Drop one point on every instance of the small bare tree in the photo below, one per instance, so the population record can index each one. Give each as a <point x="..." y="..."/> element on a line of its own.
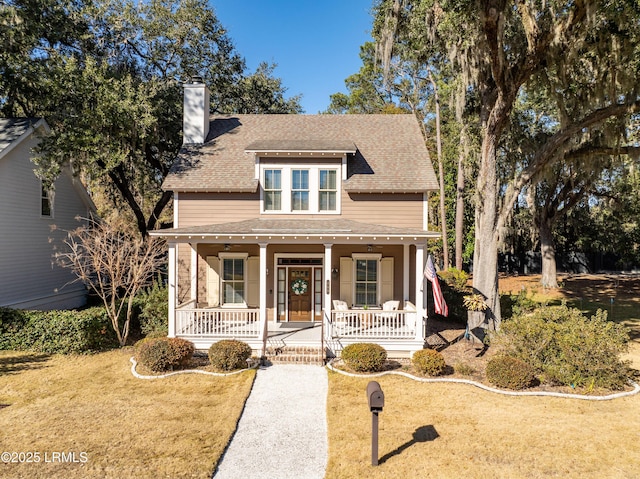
<point x="115" y="262"/>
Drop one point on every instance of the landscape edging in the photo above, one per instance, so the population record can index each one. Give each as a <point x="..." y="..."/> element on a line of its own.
<point x="636" y="387"/>
<point x="134" y="363"/>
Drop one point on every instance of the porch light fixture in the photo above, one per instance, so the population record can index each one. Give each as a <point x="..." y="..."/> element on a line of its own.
<point x="369" y="248"/>
<point x="334" y="272"/>
<point x="227" y="247"/>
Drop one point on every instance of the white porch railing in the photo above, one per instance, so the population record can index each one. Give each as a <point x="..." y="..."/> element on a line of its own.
<point x="372" y="325"/>
<point x="218" y="323"/>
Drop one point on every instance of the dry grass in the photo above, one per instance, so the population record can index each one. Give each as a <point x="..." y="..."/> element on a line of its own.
<point x="174" y="427"/>
<point x="448" y="430"/>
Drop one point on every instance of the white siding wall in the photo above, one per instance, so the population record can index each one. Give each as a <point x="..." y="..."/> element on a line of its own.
<point x="28" y="277"/>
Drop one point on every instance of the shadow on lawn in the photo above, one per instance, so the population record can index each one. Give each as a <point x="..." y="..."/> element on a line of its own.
<point x="422" y="434"/>
<point x="15" y="364"/>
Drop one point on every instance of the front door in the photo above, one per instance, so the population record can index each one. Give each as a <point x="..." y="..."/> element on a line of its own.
<point x="300" y="294"/>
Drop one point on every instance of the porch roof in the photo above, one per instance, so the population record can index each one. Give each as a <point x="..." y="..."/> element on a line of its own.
<point x="275" y="230"/>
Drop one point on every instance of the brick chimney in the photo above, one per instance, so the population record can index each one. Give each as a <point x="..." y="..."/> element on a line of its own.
<point x="195" y="121"/>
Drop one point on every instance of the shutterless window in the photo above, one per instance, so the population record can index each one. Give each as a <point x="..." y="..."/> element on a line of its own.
<point x="299" y="190"/>
<point x="327" y="190"/>
<point x="46" y="207"/>
<point x="272" y="190"/>
<point x="233" y="281"/>
<point x="366" y="282"/>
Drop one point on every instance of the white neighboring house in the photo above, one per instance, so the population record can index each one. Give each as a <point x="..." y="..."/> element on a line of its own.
<point x="33" y="221"/>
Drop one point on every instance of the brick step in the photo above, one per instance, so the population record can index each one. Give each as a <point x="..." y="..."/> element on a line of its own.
<point x="295" y="354"/>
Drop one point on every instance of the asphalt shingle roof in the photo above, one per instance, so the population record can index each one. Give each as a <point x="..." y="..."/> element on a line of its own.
<point x="13" y="128"/>
<point x="391" y="155"/>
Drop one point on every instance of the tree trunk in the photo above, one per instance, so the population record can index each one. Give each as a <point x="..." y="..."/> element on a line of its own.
<point x="485" y="254"/>
<point x="549" y="274"/>
<point x="460" y="203"/>
<point x="443" y="214"/>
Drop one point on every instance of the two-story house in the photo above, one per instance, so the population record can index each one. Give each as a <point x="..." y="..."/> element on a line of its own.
<point x="34" y="219"/>
<point x="285" y="223"/>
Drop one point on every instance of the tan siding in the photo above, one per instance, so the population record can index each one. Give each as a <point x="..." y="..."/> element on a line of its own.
<point x="28" y="273"/>
<point x="195" y="209"/>
<point x="397" y="210"/>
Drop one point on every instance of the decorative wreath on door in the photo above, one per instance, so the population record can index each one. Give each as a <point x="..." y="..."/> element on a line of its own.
<point x="299" y="286"/>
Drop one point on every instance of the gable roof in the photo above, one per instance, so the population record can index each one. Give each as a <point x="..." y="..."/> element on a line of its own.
<point x="386" y="153"/>
<point x="14" y="130"/>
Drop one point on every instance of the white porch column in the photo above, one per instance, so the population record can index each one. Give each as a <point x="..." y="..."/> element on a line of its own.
<point x="194" y="274"/>
<point x="263" y="287"/>
<point x="173" y="266"/>
<point x="406" y="274"/>
<point x="327" y="280"/>
<point x="420" y="305"/>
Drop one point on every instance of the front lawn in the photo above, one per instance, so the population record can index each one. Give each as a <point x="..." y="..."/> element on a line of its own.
<point x="116" y="425"/>
<point x="451" y="430"/>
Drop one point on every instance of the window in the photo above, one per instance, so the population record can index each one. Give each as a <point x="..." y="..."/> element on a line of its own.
<point x="290" y="188"/>
<point x="272" y="190"/>
<point x="46" y="201"/>
<point x="366" y="281"/>
<point x="233" y="291"/>
<point x="327" y="190"/>
<point x="300" y="190"/>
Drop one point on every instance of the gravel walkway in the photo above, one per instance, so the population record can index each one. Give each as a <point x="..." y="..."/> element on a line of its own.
<point x="282" y="432"/>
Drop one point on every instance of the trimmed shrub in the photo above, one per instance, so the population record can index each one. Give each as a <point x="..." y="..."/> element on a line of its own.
<point x="364" y="357"/>
<point x="567" y="348"/>
<point x="229" y="354"/>
<point x="174" y="353"/>
<point x="511" y="373"/>
<point x="156" y="355"/>
<point x="154" y="310"/>
<point x="428" y="361"/>
<point x="58" y="332"/>
<point x="181" y="351"/>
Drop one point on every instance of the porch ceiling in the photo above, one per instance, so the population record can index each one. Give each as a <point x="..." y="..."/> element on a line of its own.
<point x="300" y="229"/>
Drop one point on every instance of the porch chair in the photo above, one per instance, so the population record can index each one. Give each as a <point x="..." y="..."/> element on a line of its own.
<point x="410" y="315"/>
<point x="343" y="320"/>
<point x="389" y="313"/>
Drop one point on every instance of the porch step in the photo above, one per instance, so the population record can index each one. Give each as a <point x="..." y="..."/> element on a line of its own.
<point x="295" y="354"/>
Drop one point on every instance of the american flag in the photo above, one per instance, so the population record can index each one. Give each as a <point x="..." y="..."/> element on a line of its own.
<point x="439" y="303"/>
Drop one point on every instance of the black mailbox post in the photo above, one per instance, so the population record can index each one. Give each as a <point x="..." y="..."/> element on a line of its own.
<point x="375" y="398"/>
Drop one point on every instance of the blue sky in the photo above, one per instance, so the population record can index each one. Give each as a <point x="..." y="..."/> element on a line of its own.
<point x="316" y="43"/>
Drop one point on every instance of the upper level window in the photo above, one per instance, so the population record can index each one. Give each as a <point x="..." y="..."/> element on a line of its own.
<point x="300" y="190"/>
<point x="272" y="190"/>
<point x="46" y="201"/>
<point x="327" y="190"/>
<point x="291" y="189"/>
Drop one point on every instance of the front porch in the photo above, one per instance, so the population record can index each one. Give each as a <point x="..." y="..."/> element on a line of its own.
<point x="276" y="282"/>
<point x="398" y="332"/>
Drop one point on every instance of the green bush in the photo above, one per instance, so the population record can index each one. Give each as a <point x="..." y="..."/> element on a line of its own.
<point x="154" y="310"/>
<point x="164" y="354"/>
<point x="61" y="332"/>
<point x="455" y="278"/>
<point x="509" y="372"/>
<point x="11" y="322"/>
<point x="567" y="348"/>
<point x="364" y="357"/>
<point x="229" y="354"/>
<point x="517" y="304"/>
<point x="428" y="361"/>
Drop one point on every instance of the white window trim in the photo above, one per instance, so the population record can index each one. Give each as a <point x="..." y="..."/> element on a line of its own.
<point x="50" y="197"/>
<point x="367" y="256"/>
<point x="222" y="257"/>
<point x="314" y="188"/>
